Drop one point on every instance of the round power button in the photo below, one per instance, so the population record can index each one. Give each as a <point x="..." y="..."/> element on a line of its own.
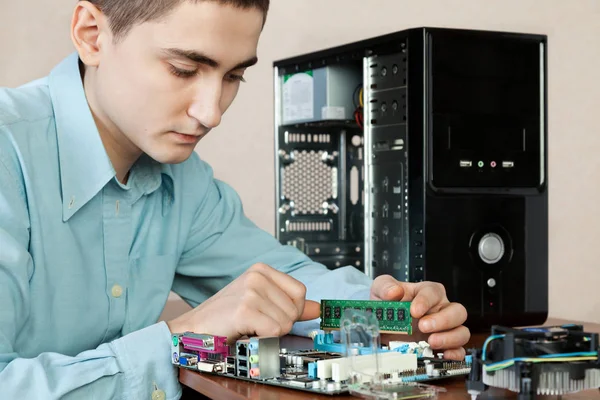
<point x="491" y="248"/>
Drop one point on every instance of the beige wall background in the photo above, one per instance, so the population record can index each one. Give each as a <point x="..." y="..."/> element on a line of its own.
<point x="35" y="36"/>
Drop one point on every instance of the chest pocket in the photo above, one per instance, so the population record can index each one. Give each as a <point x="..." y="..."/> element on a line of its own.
<point x="150" y="281"/>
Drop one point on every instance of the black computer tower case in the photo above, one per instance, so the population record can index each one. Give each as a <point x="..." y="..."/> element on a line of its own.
<point x="438" y="172"/>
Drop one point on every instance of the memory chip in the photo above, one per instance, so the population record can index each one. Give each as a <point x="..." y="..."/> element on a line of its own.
<point x="390" y="314"/>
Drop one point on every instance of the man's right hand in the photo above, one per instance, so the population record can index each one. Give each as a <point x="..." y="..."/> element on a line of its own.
<point x="261" y="302"/>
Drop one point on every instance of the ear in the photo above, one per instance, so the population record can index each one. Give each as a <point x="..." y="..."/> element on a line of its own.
<point x="89" y="29"/>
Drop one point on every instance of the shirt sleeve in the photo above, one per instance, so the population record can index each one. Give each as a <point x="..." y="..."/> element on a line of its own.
<point x="126" y="368"/>
<point x="223" y="243"/>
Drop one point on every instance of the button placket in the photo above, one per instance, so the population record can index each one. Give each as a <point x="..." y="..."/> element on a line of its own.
<point x="117" y="242"/>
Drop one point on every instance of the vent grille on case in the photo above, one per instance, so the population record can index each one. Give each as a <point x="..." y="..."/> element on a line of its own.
<point x="307" y="137"/>
<point x="308" y="182"/>
<point x="309" y="226"/>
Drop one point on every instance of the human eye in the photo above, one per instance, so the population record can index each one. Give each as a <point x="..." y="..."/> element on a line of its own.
<point x="181" y="72"/>
<point x="235" y="78"/>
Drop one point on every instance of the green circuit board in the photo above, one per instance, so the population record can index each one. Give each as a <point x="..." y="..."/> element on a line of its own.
<point x="393" y="316"/>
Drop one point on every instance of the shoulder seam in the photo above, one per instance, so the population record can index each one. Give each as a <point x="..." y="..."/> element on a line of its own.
<point x="15" y="182"/>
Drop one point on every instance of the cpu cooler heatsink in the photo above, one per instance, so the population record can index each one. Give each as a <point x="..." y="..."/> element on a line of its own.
<point x="553" y="360"/>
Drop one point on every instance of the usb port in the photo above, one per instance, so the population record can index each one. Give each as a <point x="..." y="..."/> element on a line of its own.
<point x="508" y="164"/>
<point x="465" y="163"/>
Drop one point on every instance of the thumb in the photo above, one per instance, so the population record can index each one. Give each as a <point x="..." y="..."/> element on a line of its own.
<point x="312" y="310"/>
<point x="385" y="287"/>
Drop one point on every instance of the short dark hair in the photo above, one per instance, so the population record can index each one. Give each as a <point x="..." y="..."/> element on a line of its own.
<point x="124" y="14"/>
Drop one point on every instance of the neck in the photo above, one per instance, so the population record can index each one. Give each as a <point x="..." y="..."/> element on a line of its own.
<point x="120" y="150"/>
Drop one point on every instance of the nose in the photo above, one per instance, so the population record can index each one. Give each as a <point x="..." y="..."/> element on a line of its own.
<point x="206" y="104"/>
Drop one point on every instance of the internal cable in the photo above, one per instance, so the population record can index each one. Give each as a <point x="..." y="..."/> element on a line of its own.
<point x="360" y="98"/>
<point x="509" y="363"/>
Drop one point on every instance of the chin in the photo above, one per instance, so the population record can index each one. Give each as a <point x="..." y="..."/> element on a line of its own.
<point x="175" y="156"/>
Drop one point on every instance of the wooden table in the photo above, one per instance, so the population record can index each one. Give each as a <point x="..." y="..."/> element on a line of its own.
<point x="216" y="387"/>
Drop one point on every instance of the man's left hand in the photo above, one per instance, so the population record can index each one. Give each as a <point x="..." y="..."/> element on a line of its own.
<point x="436" y="314"/>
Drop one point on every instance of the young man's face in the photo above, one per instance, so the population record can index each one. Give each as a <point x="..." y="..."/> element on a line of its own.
<point x="168" y="82"/>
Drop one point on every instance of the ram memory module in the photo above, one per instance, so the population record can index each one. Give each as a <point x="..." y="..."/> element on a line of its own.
<point x="393" y="316"/>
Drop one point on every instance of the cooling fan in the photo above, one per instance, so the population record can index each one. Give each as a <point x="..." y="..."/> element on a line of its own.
<point x="552" y="360"/>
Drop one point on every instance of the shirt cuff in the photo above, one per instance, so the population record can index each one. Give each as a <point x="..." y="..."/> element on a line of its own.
<point x="145" y="357"/>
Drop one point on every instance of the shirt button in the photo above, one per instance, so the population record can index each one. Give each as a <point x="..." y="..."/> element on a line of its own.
<point x="159" y="395"/>
<point x="117" y="291"/>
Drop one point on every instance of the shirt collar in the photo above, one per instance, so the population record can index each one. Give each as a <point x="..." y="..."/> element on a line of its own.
<point x="84" y="165"/>
<point x="147" y="175"/>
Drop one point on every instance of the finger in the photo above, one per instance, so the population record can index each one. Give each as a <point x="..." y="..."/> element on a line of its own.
<point x="256" y="300"/>
<point x="292" y="287"/>
<point x="261" y="324"/>
<point x="283" y="319"/>
<point x="385" y="287"/>
<point x="455" y="354"/>
<point x="451" y="339"/>
<point x="280" y="298"/>
<point x="448" y="317"/>
<point x="428" y="296"/>
<point x="312" y="310"/>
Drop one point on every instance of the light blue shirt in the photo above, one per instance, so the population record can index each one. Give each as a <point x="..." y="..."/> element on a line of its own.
<point x="87" y="263"/>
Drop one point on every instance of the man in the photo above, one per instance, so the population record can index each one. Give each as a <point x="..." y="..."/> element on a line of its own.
<point x="105" y="207"/>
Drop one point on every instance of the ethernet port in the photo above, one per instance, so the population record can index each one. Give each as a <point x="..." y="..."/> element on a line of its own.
<point x="242" y="349"/>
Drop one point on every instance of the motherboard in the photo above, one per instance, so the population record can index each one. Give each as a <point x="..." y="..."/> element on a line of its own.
<point x="262" y="360"/>
<point x="330" y="366"/>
